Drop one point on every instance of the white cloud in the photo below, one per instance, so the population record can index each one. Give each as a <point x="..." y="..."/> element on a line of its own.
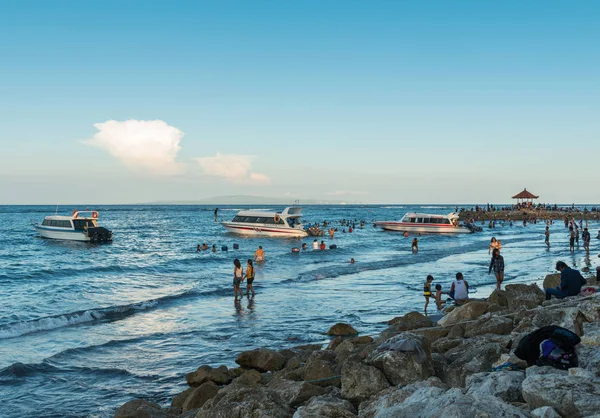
<point x="233" y="168"/>
<point x="149" y="145"/>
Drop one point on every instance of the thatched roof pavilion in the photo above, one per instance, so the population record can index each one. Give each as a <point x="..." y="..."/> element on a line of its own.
<point x="525" y="196"/>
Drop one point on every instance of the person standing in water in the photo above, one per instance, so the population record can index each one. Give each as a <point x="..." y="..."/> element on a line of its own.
<point x="315" y="245"/>
<point x="259" y="255"/>
<point x="415" y="245"/>
<point x="586" y="240"/>
<point x="216" y="214"/>
<point x="238" y="277"/>
<point x="438" y="297"/>
<point x="427" y="291"/>
<point x="497" y="264"/>
<point x="571" y="239"/>
<point x="249" y="278"/>
<point x="547" y="235"/>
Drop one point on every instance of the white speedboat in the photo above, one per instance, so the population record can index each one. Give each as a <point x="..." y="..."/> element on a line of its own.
<point x="271" y="224"/>
<point x="80" y="226"/>
<point x="423" y="223"/>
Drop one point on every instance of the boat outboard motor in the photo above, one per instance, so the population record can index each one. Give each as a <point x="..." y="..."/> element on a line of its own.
<point x="99" y="234"/>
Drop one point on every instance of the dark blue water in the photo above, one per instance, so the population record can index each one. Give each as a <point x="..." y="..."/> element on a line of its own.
<point x="85" y="328"/>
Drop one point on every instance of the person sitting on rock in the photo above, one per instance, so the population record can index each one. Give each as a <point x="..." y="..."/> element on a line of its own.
<point x="459" y="291"/>
<point x="571" y="282"/>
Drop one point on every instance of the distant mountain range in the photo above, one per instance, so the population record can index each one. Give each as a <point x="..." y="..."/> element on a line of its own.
<point x="249" y="200"/>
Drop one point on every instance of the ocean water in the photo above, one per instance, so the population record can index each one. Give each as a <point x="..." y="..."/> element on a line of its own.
<point x="85" y="328"/>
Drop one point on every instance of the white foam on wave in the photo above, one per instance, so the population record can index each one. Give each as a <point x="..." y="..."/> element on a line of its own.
<point x="54" y="322"/>
<point x="239" y="209"/>
<point x="433" y="207"/>
<point x="392" y="207"/>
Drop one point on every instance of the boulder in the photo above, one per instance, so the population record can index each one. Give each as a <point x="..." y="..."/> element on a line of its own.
<point x="249" y="378"/>
<point x="326" y="406"/>
<point x="342" y="329"/>
<point x="245" y="402"/>
<point x="261" y="359"/>
<point x="363" y="339"/>
<point x="457" y="331"/>
<point x="139" y="408"/>
<point x="320" y="369"/>
<point x="523" y="296"/>
<point x="395" y="396"/>
<point x="505" y="385"/>
<point x="444" y="344"/>
<point x="220" y="376"/>
<point x="571" y="396"/>
<point x="498" y="298"/>
<point x="410" y="321"/>
<point x="343" y="351"/>
<point x="473" y="356"/>
<point x="359" y="381"/>
<point x="295" y="393"/>
<point x="180" y="398"/>
<point x="467" y="312"/>
<point x="494" y="325"/>
<point x="551" y="281"/>
<point x="200" y="395"/>
<point x="434" y="402"/>
<point x="402" y="368"/>
<point x="293" y="363"/>
<point x="545" y="412"/>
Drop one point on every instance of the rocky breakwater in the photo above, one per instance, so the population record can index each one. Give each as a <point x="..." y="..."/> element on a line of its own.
<point x="414" y="368"/>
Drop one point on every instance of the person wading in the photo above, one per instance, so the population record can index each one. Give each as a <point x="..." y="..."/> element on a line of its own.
<point x="497" y="264"/>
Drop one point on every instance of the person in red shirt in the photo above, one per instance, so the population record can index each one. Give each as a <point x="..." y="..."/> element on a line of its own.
<point x="323" y="246"/>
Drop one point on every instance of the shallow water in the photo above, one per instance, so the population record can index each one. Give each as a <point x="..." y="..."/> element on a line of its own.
<point x="85" y="328"/>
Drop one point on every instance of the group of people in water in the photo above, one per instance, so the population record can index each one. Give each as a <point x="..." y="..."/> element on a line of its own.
<point x="239" y="276"/>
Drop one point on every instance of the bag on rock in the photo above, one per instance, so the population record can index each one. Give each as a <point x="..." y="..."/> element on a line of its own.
<point x="529" y="346"/>
<point x="554" y="355"/>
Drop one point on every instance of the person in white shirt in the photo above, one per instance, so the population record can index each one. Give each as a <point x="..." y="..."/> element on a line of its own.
<point x="459" y="291"/>
<point x="315" y="245"/>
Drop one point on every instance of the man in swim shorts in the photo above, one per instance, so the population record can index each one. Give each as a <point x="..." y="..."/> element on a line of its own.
<point x="259" y="255"/>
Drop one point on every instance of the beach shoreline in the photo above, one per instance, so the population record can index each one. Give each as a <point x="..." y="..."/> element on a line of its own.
<point x="357" y="375"/>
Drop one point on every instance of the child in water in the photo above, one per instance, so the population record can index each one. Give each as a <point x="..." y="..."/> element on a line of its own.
<point x="427" y="291"/>
<point x="415" y="245"/>
<point x="438" y="296"/>
<point x="249" y="278"/>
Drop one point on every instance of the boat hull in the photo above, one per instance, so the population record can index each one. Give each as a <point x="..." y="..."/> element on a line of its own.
<point x="423" y="228"/>
<point x="65" y="235"/>
<point x="263" y="231"/>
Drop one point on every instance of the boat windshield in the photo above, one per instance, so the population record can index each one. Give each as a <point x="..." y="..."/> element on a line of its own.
<point x="82" y="224"/>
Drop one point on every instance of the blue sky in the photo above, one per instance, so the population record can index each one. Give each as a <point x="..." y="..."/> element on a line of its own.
<point x="384" y="101"/>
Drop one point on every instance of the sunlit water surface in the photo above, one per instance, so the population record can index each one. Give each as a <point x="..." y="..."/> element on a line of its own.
<point x="85" y="328"/>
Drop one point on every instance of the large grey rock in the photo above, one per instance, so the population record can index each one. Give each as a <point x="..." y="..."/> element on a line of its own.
<point x="444" y="344"/>
<point x="410" y="321"/>
<point x="246" y="402"/>
<point x="261" y="359"/>
<point x="505" y="385"/>
<point x="139" y="408"/>
<point x="473" y="356"/>
<point x="295" y="393"/>
<point x="467" y="312"/>
<point x="320" y="369"/>
<point x="395" y="396"/>
<point x="200" y="395"/>
<point x="571" y="396"/>
<point x="494" y="325"/>
<point x="551" y="281"/>
<point x="359" y="381"/>
<point x="498" y="298"/>
<point x="545" y="412"/>
<point x="433" y="402"/>
<point x="342" y="329"/>
<point x="180" y="398"/>
<point x="402" y="368"/>
<point x="326" y="406"/>
<point x="219" y="375"/>
<point x="523" y="296"/>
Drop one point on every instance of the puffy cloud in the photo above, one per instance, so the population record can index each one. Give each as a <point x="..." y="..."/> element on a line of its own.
<point x="233" y="168"/>
<point x="149" y="145"/>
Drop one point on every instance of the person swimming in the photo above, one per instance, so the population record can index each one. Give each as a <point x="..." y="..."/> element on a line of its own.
<point x="259" y="255"/>
<point x="352" y="261"/>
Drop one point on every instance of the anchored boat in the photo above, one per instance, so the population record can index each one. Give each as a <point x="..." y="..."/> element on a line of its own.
<point x="424" y="223"/>
<point x="80" y="226"/>
<point x="271" y="224"/>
